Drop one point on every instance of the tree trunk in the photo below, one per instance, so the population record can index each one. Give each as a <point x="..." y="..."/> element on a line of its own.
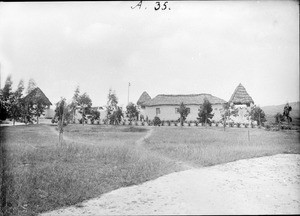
<point x="83" y="117"/>
<point x="14" y="121"/>
<point x="61" y="130"/>
<point x="181" y="121"/>
<point x="37" y="120"/>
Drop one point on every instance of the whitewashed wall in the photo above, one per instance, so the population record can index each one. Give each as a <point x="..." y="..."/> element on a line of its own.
<point x="168" y="112"/>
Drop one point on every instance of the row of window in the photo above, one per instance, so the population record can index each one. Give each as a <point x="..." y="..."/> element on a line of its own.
<point x="176" y="110"/>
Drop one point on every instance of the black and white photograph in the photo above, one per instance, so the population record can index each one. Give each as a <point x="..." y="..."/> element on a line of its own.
<point x="149" y="108"/>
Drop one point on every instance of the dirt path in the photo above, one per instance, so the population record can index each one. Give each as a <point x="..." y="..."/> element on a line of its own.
<point x="266" y="185"/>
<point x="141" y="142"/>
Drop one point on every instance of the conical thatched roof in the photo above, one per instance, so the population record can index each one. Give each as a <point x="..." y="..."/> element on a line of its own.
<point x="143" y="98"/>
<point x="37" y="94"/>
<point x="240" y="96"/>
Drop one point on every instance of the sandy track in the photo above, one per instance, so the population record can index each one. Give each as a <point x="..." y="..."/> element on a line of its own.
<point x="266" y="185"/>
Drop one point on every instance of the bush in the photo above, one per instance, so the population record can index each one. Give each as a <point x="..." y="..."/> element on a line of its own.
<point x="217" y="124"/>
<point x="189" y="123"/>
<point x="169" y="123"/>
<point x="143" y="123"/>
<point x="238" y="125"/>
<point x="162" y="123"/>
<point x="196" y="123"/>
<point x="156" y="121"/>
<point x="231" y="124"/>
<point x="175" y="123"/>
<point x="136" y="123"/>
<point x="246" y="125"/>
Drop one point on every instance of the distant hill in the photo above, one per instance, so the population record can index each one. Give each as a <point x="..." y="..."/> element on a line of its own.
<point x="271" y="111"/>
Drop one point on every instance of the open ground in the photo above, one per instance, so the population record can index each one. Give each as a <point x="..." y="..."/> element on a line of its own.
<point x="41" y="176"/>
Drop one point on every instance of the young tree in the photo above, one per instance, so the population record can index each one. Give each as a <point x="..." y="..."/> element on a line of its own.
<point x="116" y="116"/>
<point x="205" y="113"/>
<point x="62" y="112"/>
<point x="112" y="108"/>
<point x="257" y="114"/>
<point x="74" y="103"/>
<point x="228" y="111"/>
<point x="183" y="111"/>
<point x="132" y="111"/>
<point x="85" y="104"/>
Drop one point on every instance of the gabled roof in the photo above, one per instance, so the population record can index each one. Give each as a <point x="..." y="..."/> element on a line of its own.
<point x="37" y="93"/>
<point x="190" y="99"/>
<point x="143" y="98"/>
<point x="240" y="96"/>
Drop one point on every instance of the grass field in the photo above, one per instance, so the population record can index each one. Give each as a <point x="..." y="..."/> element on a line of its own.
<point x="210" y="146"/>
<point x="42" y="176"/>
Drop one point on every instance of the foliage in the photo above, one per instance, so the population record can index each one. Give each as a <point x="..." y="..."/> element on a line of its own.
<point x="183" y="111"/>
<point x="63" y="112"/>
<point x="257" y="114"/>
<point x="279" y="118"/>
<point x="74" y="103"/>
<point x="205" y="113"/>
<point x="114" y="113"/>
<point x="156" y="121"/>
<point x="31" y="85"/>
<point x="95" y="116"/>
<point x="116" y="117"/>
<point x="16" y="109"/>
<point x="132" y="111"/>
<point x="286" y="112"/>
<point x="228" y="111"/>
<point x="85" y="104"/>
<point x="5" y="96"/>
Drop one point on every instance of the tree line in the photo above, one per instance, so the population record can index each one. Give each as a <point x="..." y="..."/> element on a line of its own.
<point x="13" y="105"/>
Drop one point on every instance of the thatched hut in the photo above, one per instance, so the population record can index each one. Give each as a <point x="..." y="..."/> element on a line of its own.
<point x="36" y="98"/>
<point x="143" y="98"/>
<point x="241" y="97"/>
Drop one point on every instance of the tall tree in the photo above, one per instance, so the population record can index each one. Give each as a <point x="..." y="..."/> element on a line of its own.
<point x="112" y="105"/>
<point x="31" y="85"/>
<point x="183" y="111"/>
<point x="74" y="103"/>
<point x="5" y="96"/>
<point x="16" y="109"/>
<point x="85" y="104"/>
<point x="132" y="111"/>
<point x="205" y="113"/>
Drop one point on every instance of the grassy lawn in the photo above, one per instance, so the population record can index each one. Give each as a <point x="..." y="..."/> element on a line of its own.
<point x="210" y="146"/>
<point x="42" y="176"/>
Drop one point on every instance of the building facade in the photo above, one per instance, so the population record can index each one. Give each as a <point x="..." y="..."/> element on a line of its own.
<point x="166" y="106"/>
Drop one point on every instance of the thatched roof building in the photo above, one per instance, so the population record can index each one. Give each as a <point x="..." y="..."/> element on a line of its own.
<point x="37" y="94"/>
<point x="240" y="96"/>
<point x="190" y="99"/>
<point x="143" y="98"/>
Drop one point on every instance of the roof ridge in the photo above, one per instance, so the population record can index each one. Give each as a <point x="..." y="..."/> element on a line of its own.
<point x="176" y="95"/>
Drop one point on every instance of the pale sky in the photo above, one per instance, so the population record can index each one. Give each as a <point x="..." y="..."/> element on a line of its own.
<point x="193" y="47"/>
